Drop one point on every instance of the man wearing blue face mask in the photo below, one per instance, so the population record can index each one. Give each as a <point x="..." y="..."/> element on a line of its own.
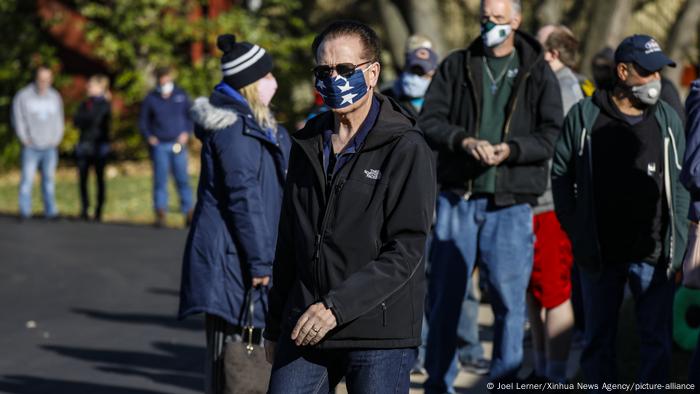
<point x="493" y="112"/>
<point x="165" y="123"/>
<point x="616" y="193"/>
<point x="409" y="89"/>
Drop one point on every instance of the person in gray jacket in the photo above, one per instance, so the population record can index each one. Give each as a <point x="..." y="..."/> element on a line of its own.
<point x="37" y="117"/>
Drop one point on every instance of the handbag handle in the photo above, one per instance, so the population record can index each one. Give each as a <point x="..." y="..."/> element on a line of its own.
<point x="249" y="327"/>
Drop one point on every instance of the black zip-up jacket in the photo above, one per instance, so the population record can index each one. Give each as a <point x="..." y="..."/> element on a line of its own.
<point x="359" y="250"/>
<point x="452" y="110"/>
<point x="93" y="118"/>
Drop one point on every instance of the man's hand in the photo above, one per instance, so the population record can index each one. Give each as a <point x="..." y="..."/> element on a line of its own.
<point x="261" y="280"/>
<point x="183" y="138"/>
<point x="480" y="150"/>
<point x="500" y="153"/>
<point x="270" y="348"/>
<point x="153" y="141"/>
<point x="313" y="325"/>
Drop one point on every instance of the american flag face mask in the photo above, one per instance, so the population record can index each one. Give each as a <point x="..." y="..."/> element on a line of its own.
<point x="339" y="91"/>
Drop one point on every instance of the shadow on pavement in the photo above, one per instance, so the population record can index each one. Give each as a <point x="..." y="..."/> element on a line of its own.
<point x="194" y="382"/>
<point x="173" y="364"/>
<point x="168" y="321"/>
<point x="177" y="358"/>
<point x="21" y="384"/>
<point x="164" y="291"/>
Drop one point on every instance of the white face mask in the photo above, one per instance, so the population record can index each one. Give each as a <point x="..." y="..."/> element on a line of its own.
<point x="494" y="34"/>
<point x="167" y="88"/>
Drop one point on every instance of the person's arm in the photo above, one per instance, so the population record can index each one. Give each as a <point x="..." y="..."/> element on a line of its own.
<point x="690" y="175"/>
<point x="538" y="146"/>
<point x="410" y="203"/>
<point x="81" y="118"/>
<point x="684" y="211"/>
<point x="239" y="160"/>
<point x="145" y="118"/>
<point x="189" y="124"/>
<point x="564" y="173"/>
<point x="19" y="121"/>
<point x="60" y="121"/>
<point x="284" y="267"/>
<point x="106" y="121"/>
<point x="434" y="117"/>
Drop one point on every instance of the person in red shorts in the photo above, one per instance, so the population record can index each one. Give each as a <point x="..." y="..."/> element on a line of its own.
<point x="549" y="293"/>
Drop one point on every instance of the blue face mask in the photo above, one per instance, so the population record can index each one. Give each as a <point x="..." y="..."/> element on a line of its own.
<point x="340" y="92"/>
<point x="414" y="86"/>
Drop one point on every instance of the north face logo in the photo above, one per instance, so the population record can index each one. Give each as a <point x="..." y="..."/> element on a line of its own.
<point x="373" y="174"/>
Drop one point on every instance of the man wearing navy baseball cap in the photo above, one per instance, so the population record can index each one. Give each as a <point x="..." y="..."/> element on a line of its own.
<point x="617" y="195"/>
<point x="409" y="89"/>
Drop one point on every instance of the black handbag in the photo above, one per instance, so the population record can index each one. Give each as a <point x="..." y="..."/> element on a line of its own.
<point x="245" y="366"/>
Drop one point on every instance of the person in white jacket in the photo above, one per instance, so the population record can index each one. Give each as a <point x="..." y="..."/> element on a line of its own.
<point x="37" y="117"/>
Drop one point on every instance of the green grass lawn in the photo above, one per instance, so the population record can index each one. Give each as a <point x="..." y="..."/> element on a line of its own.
<point x="129" y="195"/>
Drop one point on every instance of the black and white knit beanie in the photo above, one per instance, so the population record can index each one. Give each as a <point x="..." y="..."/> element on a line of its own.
<point x="242" y="63"/>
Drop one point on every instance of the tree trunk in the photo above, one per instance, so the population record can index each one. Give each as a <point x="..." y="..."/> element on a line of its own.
<point x="680" y="38"/>
<point x="607" y="27"/>
<point x="395" y="29"/>
<point x="425" y="19"/>
<point x="548" y="12"/>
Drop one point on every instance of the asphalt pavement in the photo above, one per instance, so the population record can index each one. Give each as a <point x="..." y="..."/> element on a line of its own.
<point x="91" y="308"/>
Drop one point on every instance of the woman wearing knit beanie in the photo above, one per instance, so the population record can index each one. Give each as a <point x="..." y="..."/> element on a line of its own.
<point x="227" y="265"/>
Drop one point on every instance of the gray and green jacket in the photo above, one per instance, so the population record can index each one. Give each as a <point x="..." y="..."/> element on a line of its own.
<point x="572" y="184"/>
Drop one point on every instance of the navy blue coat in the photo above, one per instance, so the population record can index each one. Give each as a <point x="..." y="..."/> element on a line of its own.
<point x="165" y="118"/>
<point x="690" y="176"/>
<point x="239" y="197"/>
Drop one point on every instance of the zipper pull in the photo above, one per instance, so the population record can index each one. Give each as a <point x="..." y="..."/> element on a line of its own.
<point x="339" y="186"/>
<point x="383" y="314"/>
<point x="317" y="247"/>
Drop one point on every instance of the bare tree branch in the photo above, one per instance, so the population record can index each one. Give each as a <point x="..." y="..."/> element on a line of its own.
<point x="606" y="28"/>
<point x="548" y="12"/>
<point x="395" y="29"/>
<point x="425" y="18"/>
<point x="680" y="38"/>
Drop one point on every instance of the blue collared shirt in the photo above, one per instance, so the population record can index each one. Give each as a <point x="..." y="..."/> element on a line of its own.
<point x="352" y="147"/>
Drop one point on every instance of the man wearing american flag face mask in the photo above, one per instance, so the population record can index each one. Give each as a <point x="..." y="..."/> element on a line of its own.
<point x="347" y="298"/>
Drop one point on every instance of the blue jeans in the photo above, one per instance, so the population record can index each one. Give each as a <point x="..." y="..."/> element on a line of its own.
<point x="45" y="160"/>
<point x="310" y="371"/>
<point x="500" y="240"/>
<point x="602" y="296"/>
<point x="469" y="348"/>
<point x="164" y="159"/>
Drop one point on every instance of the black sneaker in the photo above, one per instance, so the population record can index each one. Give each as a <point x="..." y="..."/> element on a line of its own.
<point x="480" y="366"/>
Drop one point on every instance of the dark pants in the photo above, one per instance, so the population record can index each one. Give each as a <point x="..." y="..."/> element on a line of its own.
<point x="312" y="371"/>
<point x="98" y="162"/>
<point x="694" y="374"/>
<point x="603" y="295"/>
